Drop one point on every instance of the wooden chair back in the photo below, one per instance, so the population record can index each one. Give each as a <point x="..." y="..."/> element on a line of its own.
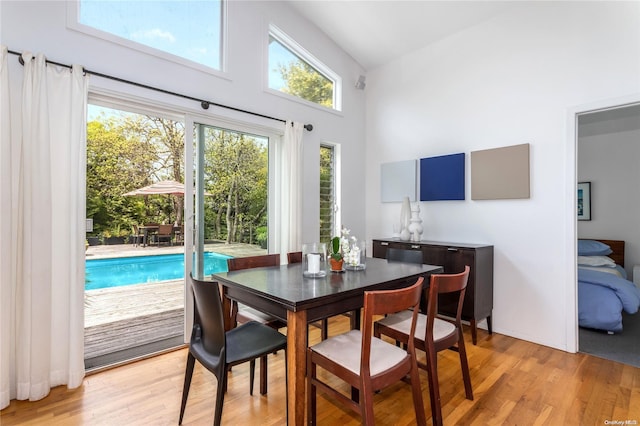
<point x="443" y="284"/>
<point x="165" y="229"/>
<point x="243" y="314"/>
<point x="238" y="263"/>
<point x="294" y="257"/>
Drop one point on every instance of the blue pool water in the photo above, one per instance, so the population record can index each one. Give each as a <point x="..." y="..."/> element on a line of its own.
<point x="102" y="273"/>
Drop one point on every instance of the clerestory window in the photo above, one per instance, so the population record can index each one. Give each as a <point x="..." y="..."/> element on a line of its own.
<point x="294" y="71"/>
<point x="176" y="30"/>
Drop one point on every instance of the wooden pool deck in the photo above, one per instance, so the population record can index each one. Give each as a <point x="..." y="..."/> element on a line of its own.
<point x="120" y="318"/>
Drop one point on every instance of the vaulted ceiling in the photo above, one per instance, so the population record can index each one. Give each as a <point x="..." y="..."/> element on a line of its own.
<point x="375" y="32"/>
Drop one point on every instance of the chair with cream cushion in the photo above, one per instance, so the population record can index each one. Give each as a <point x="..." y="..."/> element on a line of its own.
<point x="432" y="334"/>
<point x="365" y="362"/>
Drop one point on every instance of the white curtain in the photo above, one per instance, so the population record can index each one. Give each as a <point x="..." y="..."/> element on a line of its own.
<point x="42" y="345"/>
<point x="8" y="241"/>
<point x="291" y="189"/>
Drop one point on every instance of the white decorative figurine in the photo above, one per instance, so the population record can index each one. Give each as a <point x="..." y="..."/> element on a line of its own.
<point x="415" y="227"/>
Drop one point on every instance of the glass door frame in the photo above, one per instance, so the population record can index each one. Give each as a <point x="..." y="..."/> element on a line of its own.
<point x="194" y="190"/>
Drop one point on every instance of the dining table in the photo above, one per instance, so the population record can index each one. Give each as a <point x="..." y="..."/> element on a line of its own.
<point x="147" y="230"/>
<point x="283" y="292"/>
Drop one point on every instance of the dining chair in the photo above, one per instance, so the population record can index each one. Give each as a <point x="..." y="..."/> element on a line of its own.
<point x="240" y="313"/>
<point x="136" y="235"/>
<point x="366" y="362"/>
<point x="218" y="350"/>
<point x="433" y="334"/>
<point x="165" y="232"/>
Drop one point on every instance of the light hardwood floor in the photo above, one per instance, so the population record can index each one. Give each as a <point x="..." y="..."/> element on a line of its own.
<point x="514" y="383"/>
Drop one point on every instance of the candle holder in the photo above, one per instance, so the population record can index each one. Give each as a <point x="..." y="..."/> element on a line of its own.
<point x="314" y="260"/>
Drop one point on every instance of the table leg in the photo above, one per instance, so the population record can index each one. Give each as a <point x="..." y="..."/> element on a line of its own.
<point x="297" y="335"/>
<point x="226" y="308"/>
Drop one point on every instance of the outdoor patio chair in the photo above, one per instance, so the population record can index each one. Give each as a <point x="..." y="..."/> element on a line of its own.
<point x="137" y="236"/>
<point x="165" y="232"/>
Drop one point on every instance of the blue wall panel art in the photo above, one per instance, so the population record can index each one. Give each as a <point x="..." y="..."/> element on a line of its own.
<point x="442" y="178"/>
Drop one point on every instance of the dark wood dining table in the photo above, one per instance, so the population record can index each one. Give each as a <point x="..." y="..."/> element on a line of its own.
<point x="283" y="292"/>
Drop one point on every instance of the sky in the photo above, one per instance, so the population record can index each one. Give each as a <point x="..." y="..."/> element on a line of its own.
<point x="185" y="28"/>
<point x="190" y="29"/>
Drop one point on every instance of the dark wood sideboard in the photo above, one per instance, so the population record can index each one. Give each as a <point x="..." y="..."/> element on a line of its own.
<point x="478" y="300"/>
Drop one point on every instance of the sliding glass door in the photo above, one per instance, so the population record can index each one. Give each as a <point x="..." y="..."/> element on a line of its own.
<point x="134" y="292"/>
<point x="232" y="194"/>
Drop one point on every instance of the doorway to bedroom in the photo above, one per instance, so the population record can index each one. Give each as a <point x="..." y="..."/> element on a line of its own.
<point x="608" y="151"/>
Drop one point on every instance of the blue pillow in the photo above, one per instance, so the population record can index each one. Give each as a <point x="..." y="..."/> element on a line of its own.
<point x="593" y="248"/>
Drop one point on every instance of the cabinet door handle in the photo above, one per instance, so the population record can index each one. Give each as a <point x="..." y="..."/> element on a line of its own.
<point x="383" y="243"/>
<point x="415" y="247"/>
<point x="452" y="249"/>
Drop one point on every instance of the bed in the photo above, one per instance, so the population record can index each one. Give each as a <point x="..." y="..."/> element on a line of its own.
<point x="604" y="291"/>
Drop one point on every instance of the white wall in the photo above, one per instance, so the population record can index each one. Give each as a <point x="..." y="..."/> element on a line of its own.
<point x="511" y="80"/>
<point x="608" y="157"/>
<point x="40" y="27"/>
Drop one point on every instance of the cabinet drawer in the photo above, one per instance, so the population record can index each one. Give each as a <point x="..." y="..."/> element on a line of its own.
<point x="380" y="247"/>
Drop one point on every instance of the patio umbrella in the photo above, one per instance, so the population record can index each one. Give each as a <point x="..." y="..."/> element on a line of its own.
<point x="167" y="187"/>
<point x="170" y="187"/>
<point x="164" y="187"/>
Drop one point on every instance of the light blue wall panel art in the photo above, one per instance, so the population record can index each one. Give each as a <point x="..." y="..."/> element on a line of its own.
<point x="398" y="180"/>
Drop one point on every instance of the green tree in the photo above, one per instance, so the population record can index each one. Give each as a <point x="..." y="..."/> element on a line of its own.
<point x="236" y="179"/>
<point x="125" y="152"/>
<point x="114" y="163"/>
<point x="163" y="139"/>
<point x="305" y="82"/>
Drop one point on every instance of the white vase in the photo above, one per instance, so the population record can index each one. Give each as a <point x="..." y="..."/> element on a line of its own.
<point x="405" y="216"/>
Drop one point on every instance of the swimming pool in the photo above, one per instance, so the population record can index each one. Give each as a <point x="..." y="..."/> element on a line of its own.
<point x="119" y="271"/>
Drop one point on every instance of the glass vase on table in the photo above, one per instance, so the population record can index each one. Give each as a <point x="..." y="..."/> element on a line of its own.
<point x="355" y="258"/>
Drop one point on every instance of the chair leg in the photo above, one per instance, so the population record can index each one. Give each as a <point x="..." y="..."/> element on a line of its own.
<point x="311" y="391"/>
<point x="252" y="373"/>
<point x="324" y="331"/>
<point x="263" y="375"/>
<point x="187" y="384"/>
<point x="286" y="386"/>
<point x="366" y="405"/>
<point x="234" y="314"/>
<point x="434" y="387"/>
<point x="418" y="404"/>
<point x="464" y="364"/>
<point x="222" y="388"/>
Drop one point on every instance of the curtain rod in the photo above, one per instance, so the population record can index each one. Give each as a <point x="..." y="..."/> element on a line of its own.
<point x="203" y="103"/>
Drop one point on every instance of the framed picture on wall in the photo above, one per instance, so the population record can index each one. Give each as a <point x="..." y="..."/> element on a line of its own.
<point x="584" y="201"/>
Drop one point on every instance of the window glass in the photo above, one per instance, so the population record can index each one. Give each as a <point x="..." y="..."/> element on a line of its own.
<point x="235" y="179"/>
<point x="296" y="73"/>
<point x="188" y="29"/>
<point x="327" y="193"/>
<point x="134" y="288"/>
